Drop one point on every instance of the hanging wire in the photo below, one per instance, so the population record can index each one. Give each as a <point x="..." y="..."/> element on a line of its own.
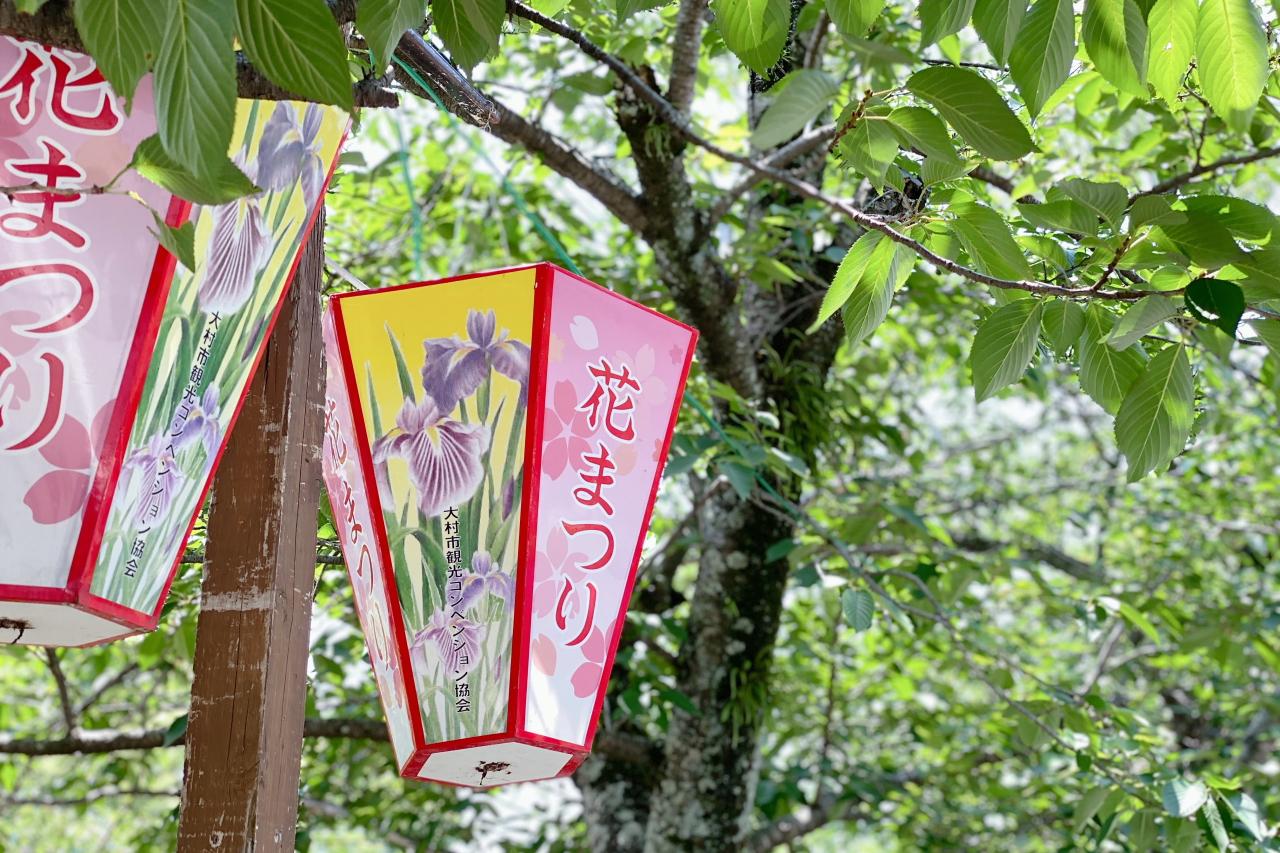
<point x="414" y="210"/>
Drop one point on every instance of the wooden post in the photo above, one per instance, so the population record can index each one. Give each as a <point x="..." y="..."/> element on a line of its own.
<point x="248" y="700"/>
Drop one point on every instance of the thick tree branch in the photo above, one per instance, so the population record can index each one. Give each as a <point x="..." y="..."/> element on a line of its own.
<point x="686" y="49"/>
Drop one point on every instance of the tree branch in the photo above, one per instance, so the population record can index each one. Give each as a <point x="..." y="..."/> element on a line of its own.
<point x="1187" y="177"/>
<point x="686" y="50"/>
<point x="64" y="693"/>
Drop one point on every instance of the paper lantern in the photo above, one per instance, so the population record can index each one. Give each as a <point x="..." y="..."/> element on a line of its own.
<point x="493" y="446"/>
<point x="121" y="372"/>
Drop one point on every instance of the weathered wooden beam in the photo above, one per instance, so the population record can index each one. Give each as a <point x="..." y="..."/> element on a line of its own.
<point x="248" y="700"/>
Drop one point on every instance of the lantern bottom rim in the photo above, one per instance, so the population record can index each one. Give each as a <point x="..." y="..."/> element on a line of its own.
<point x="490" y="765"/>
<point x="64" y="624"/>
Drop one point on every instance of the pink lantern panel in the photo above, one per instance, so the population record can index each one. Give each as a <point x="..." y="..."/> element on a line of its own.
<point x="493" y="450"/>
<point x="121" y="373"/>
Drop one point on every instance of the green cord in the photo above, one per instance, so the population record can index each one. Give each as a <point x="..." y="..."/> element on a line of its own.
<point x="414" y="210"/>
<point x="523" y="206"/>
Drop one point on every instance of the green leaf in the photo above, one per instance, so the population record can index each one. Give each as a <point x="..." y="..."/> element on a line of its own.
<point x="195" y="85"/>
<point x="297" y="44"/>
<point x="1220" y="303"/>
<point x="1203" y="238"/>
<point x="1139" y="620"/>
<point x="1060" y="215"/>
<point x="1243" y="219"/>
<point x="1268" y="332"/>
<point x="1088" y="807"/>
<point x="986" y="237"/>
<point x="627" y="8"/>
<point x="1107" y="200"/>
<point x="180" y="241"/>
<point x="800" y="98"/>
<point x="1247" y="813"/>
<point x="1062" y="325"/>
<point x="1004" y="345"/>
<point x="225" y="183"/>
<point x="755" y="30"/>
<point x="847" y="276"/>
<point x="1115" y="37"/>
<point x="870" y="146"/>
<point x="920" y="129"/>
<point x="888" y="266"/>
<point x="1143" y="316"/>
<point x="383" y="22"/>
<point x="124" y="38"/>
<point x="1155" y="418"/>
<point x="859" y="608"/>
<point x="469" y="28"/>
<point x="1182" y="798"/>
<point x="1041" y="58"/>
<point x="1231" y="59"/>
<point x="1213" y="818"/>
<point x="742" y="478"/>
<point x="29" y="7"/>
<point x="1152" y="210"/>
<point x="1171" y="42"/>
<point x="939" y="18"/>
<point x="1105" y="374"/>
<point x="176" y="731"/>
<point x="853" y="17"/>
<point x="971" y="104"/>
<point x="998" y="23"/>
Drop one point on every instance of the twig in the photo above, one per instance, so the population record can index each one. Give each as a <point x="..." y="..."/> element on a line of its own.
<point x="1187" y="177"/>
<point x="64" y="692"/>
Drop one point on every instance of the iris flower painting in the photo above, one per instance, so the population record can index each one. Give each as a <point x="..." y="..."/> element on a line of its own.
<point x="448" y="480"/>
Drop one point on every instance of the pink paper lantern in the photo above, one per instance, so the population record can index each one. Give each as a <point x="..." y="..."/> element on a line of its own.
<point x="121" y="373"/>
<point x="493" y="447"/>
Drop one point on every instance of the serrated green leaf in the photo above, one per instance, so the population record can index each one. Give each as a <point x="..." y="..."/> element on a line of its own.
<point x="1268" y="332"/>
<point x="226" y="183"/>
<point x="1114" y="33"/>
<point x="1231" y="59"/>
<point x="878" y="53"/>
<point x="935" y="170"/>
<point x="383" y="22"/>
<point x="847" y="276"/>
<point x="998" y="23"/>
<point x="627" y="8"/>
<point x="469" y="28"/>
<point x="971" y="104"/>
<point x="297" y="44"/>
<point x="1062" y="324"/>
<point x="1063" y="214"/>
<point x="755" y="30"/>
<point x="870" y="147"/>
<point x="1107" y="200"/>
<point x="940" y="18"/>
<point x="1245" y="220"/>
<point x="177" y="731"/>
<point x="1152" y="210"/>
<point x="1220" y="303"/>
<point x="800" y="98"/>
<point x="986" y="237"/>
<point x="1141" y="317"/>
<point x="195" y="85"/>
<point x="1040" y="61"/>
<point x="1171" y="42"/>
<point x="180" y="242"/>
<point x="1105" y="374"/>
<point x="1155" y="418"/>
<point x="1204" y="239"/>
<point x="1003" y="347"/>
<point x="859" y="608"/>
<point x="920" y="129"/>
<point x="888" y="266"/>
<point x="1217" y="832"/>
<point x="853" y="17"/>
<point x="124" y="38"/>
<point x="1182" y="798"/>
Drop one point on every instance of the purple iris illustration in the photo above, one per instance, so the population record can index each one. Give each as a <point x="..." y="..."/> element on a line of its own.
<point x="455" y="367"/>
<point x="290" y="150"/>
<point x="443" y="456"/>
<point x="202" y="424"/>
<point x="456" y="638"/>
<point x="238" y="250"/>
<point x="486" y="576"/>
<point x="153" y="478"/>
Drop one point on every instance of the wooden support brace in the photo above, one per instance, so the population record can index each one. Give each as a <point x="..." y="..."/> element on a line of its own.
<point x="248" y="700"/>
